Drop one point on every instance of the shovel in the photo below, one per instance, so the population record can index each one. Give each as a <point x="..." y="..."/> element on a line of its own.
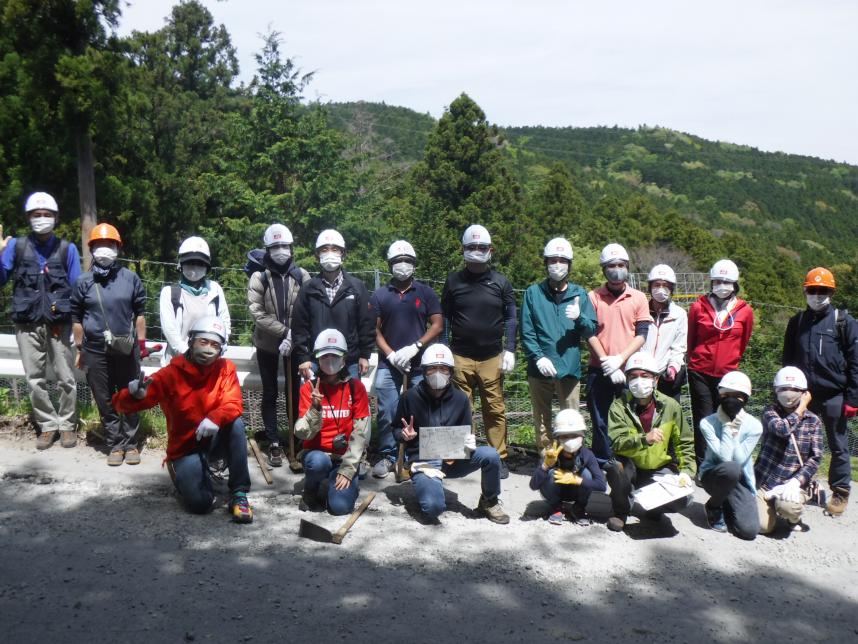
<point x="318" y="533"/>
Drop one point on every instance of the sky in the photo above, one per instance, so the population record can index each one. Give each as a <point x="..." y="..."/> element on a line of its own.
<point x="777" y="75"/>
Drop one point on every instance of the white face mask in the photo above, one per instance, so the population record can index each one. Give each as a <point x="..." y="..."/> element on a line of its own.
<point x="573" y="444"/>
<point x="402" y="270"/>
<point x="331" y="364"/>
<point x="661" y="294"/>
<point x="558" y="272"/>
<point x="193" y="273"/>
<point x="438" y="380"/>
<point x="641" y="388"/>
<point x="818" y="302"/>
<point x="280" y="255"/>
<point x="788" y="398"/>
<point x="104" y="256"/>
<point x="330" y="261"/>
<point x="723" y="291"/>
<point x="477" y="256"/>
<point x="42" y="225"/>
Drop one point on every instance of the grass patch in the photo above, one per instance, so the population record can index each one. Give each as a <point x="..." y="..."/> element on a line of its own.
<point x="822" y="473"/>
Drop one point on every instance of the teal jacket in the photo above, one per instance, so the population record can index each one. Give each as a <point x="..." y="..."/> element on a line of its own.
<point x="546" y="331"/>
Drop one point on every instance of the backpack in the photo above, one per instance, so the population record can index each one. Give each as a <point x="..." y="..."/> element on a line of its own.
<point x="176" y="299"/>
<point x="256" y="264"/>
<point x="840" y="320"/>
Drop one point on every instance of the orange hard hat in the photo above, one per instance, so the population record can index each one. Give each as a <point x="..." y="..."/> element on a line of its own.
<point x="104" y="231"/>
<point x="820" y="277"/>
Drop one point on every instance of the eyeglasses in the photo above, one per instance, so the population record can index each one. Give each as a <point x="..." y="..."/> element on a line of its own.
<point x="478" y="247"/>
<point x="817" y="290"/>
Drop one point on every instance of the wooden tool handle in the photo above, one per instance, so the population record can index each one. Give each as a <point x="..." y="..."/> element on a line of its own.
<point x="260" y="459"/>
<point x="340" y="534"/>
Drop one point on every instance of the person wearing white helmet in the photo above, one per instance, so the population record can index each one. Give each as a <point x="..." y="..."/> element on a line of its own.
<point x="192" y="298"/>
<point x="333" y="422"/>
<point x="719" y="329"/>
<point x="650" y="437"/>
<point x="790" y="452"/>
<point x="408" y="318"/>
<point x="479" y="305"/>
<point x="436" y="402"/>
<point x="43" y="268"/>
<point x="199" y="394"/>
<point x="333" y="299"/>
<point x="556" y="315"/>
<point x="569" y="472"/>
<point x="623" y="318"/>
<point x="667" y="339"/>
<point x="727" y="471"/>
<point x="271" y="295"/>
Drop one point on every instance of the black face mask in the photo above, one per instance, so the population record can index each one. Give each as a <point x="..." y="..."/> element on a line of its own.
<point x="732" y="406"/>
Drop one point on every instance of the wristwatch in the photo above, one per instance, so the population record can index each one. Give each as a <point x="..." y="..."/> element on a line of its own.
<point x="418" y="344"/>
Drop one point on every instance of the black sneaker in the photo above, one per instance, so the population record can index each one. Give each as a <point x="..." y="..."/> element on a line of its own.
<point x="275" y="455"/>
<point x="504" y="470"/>
<point x="715" y="519"/>
<point x="310" y="503"/>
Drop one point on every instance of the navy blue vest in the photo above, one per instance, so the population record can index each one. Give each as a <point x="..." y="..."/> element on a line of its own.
<point x="41" y="295"/>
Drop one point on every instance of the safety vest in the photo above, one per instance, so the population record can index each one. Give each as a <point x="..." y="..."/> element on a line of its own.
<point x="41" y="294"/>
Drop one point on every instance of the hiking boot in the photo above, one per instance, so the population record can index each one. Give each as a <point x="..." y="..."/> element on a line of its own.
<point x="556" y="517"/>
<point x="381" y="469"/>
<point x="492" y="510"/>
<point x="132" y="456"/>
<point x="616" y="524"/>
<point x="504" y="470"/>
<point x="240" y="509"/>
<point x="275" y="455"/>
<point x="68" y="438"/>
<point x="310" y="502"/>
<point x="715" y="519"/>
<point x="45" y="440"/>
<point x="839" y="499"/>
<point x="116" y="457"/>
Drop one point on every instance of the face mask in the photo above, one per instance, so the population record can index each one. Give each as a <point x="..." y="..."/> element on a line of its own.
<point x="438" y="380"/>
<point x="477" y="256"/>
<point x="661" y="294"/>
<point x="617" y="274"/>
<point x="573" y="444"/>
<point x="193" y="273"/>
<point x="723" y="291"/>
<point x="402" y="270"/>
<point x="104" y="256"/>
<point x="732" y="406"/>
<point x="641" y="388"/>
<point x="789" y="399"/>
<point x="42" y="225"/>
<point x="204" y="355"/>
<point x="331" y="364"/>
<point x="330" y="261"/>
<point x="280" y="255"/>
<point x="818" y="302"/>
<point x="558" y="272"/>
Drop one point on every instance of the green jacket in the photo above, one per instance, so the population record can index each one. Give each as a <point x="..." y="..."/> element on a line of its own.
<point x="628" y="438"/>
<point x="546" y="331"/>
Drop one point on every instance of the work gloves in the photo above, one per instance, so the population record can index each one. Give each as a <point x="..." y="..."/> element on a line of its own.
<point x="551" y="456"/>
<point x="789" y="491"/>
<point x="137" y="387"/>
<point x="507" y="362"/>
<point x="610" y="364"/>
<point x="402" y="359"/>
<point x="684" y="480"/>
<point x="206" y="429"/>
<point x="285" y="347"/>
<point x="546" y="367"/>
<point x="573" y="311"/>
<point x="617" y="377"/>
<point x="562" y="477"/>
<point x="670" y="374"/>
<point x="849" y="411"/>
<point x="470" y="443"/>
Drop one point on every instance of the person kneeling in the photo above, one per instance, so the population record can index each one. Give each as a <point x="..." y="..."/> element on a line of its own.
<point x="333" y="421"/>
<point x="201" y="398"/>
<point x="649" y="437"/>
<point x="790" y="454"/>
<point x="436" y="403"/>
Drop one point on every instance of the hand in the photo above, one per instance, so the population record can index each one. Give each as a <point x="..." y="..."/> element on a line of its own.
<point x="408" y="431"/>
<point x="573" y="311"/>
<point x="306" y="370"/>
<point x="670" y="375"/>
<point x="507" y="362"/>
<point x="4" y="241"/>
<point x="654" y="435"/>
<point x="78" y="360"/>
<point x="285" y="347"/>
<point x="546" y="367"/>
<point x="610" y="364"/>
<point x="618" y="377"/>
<point x="137" y="387"/>
<point x="791" y="492"/>
<point x="470" y="443"/>
<point x="774" y="493"/>
<point x="561" y="477"/>
<point x="805" y="399"/>
<point x="551" y="456"/>
<point x="684" y="480"/>
<point x="342" y="482"/>
<point x="363" y="366"/>
<point x="316" y="395"/>
<point x="849" y="411"/>
<point x="206" y="429"/>
<point x="403" y="357"/>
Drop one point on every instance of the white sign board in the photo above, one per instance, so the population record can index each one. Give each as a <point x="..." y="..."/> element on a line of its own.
<point x="445" y="443"/>
<point x="659" y="493"/>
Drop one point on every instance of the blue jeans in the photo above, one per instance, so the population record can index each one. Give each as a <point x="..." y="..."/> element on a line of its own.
<point x="554" y="493"/>
<point x="388" y="382"/>
<point x="318" y="466"/>
<point x="191" y="473"/>
<point x="430" y="491"/>
<point x="600" y="394"/>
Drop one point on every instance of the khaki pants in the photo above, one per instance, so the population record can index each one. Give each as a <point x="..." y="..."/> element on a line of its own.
<point x="39" y="347"/>
<point x="486" y="378"/>
<point x="770" y="510"/>
<point x="542" y="391"/>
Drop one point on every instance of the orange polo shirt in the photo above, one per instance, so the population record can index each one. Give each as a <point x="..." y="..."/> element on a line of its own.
<point x="617" y="317"/>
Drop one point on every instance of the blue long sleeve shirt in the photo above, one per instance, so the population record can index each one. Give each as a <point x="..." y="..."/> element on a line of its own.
<point x="43" y="251"/>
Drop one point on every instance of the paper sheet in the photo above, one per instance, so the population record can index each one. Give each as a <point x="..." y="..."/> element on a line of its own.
<point x="660" y="492"/>
<point x="445" y="443"/>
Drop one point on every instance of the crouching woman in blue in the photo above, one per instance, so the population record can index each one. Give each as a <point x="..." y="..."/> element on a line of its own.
<point x="436" y="403"/>
<point x="569" y="471"/>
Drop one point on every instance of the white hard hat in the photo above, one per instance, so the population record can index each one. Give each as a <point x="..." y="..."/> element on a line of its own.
<point x="791" y="377"/>
<point x="613" y="253"/>
<point x="735" y="381"/>
<point x="662" y="272"/>
<point x="558" y="247"/>
<point x="724" y="269"/>
<point x="210" y="327"/>
<point x="41" y="201"/>
<point x="642" y="360"/>
<point x="401" y="248"/>
<point x="276" y="234"/>
<point x="476" y="234"/>
<point x="569" y="421"/>
<point x="437" y="354"/>
<point x="330" y="341"/>
<point x="195" y="248"/>
<point x="330" y="237"/>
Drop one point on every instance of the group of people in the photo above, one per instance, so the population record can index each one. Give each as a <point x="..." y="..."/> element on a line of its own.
<point x="435" y="354"/>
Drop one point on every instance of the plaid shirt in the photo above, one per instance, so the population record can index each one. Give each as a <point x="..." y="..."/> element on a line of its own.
<point x="331" y="288"/>
<point x="778" y="461"/>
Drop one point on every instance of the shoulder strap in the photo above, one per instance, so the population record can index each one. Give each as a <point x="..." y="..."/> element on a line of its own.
<point x="176" y="297"/>
<point x="64" y="253"/>
<point x="101" y="304"/>
<point x="840" y="328"/>
<point x="216" y="302"/>
<point x="20" y="247"/>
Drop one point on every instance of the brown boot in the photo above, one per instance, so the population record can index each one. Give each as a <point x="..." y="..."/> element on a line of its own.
<point x="839" y="499"/>
<point x="116" y="457"/>
<point x="45" y="440"/>
<point x="68" y="438"/>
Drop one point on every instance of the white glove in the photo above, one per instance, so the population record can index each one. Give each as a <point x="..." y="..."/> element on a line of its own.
<point x="508" y="361"/>
<point x="792" y="491"/>
<point x="573" y="311"/>
<point x="285" y="347"/>
<point x="610" y="364"/>
<point x="470" y="442"/>
<point x="206" y="428"/>
<point x="546" y="367"/>
<point x="138" y="389"/>
<point x="618" y="377"/>
<point x="402" y="358"/>
<point x="427" y="469"/>
<point x="683" y="480"/>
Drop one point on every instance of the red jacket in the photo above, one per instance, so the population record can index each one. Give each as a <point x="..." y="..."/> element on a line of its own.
<point x="715" y="351"/>
<point x="339" y="411"/>
<point x="188" y="393"/>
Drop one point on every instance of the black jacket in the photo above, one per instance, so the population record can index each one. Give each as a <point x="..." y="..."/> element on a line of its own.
<point x="450" y="409"/>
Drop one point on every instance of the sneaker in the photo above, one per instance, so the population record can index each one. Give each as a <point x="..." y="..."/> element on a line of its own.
<point x="45" y="440"/>
<point x="275" y="455"/>
<point x="504" y="470"/>
<point x="556" y="518"/>
<point x="839" y="499"/>
<point x="492" y="510"/>
<point x="715" y="519"/>
<point x="576" y="513"/>
<point x="384" y="467"/>
<point x="68" y="438"/>
<point x="363" y="469"/>
<point x="616" y="524"/>
<point x="240" y="508"/>
<point x="116" y="457"/>
<point x="132" y="456"/>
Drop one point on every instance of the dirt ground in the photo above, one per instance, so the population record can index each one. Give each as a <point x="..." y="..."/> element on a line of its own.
<point x="96" y="554"/>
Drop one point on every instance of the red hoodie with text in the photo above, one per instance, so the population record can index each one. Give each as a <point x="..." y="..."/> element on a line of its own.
<point x="715" y="347"/>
